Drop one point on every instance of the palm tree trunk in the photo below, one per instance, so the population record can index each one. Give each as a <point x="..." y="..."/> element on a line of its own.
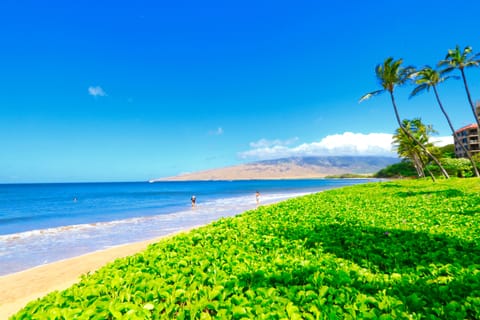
<point x="469" y="97"/>
<point x="431" y="174"/>
<point x="418" y="165"/>
<point x="469" y="156"/>
<point x="430" y="155"/>
<point x="428" y="170"/>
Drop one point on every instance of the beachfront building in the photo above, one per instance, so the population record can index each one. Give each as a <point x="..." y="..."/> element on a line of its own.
<point x="469" y="137"/>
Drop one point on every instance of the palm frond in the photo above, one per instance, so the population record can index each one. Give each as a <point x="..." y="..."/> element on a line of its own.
<point x="476" y="55"/>
<point x="388" y="61"/>
<point x="370" y="94"/>
<point x="448" y="70"/>
<point x="443" y="63"/>
<point x="458" y="59"/>
<point x="449" y="77"/>
<point x="471" y="63"/>
<point x="414" y="75"/>
<point x="419" y="89"/>
<point x="466" y="51"/>
<point x="405" y="74"/>
<point x="443" y="72"/>
<point x="409" y="70"/>
<point x="419" y="72"/>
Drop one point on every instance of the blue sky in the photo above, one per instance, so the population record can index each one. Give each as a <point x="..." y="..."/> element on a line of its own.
<point x="117" y="91"/>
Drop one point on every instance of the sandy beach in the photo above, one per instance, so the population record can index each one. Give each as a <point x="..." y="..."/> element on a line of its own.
<point x="20" y="288"/>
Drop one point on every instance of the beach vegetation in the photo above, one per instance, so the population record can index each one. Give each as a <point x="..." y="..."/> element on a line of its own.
<point x="410" y="149"/>
<point x="427" y="78"/>
<point x="457" y="59"/>
<point x="403" y="169"/>
<point x="447" y="151"/>
<point x="404" y="249"/>
<point x="391" y="74"/>
<point x="456" y="167"/>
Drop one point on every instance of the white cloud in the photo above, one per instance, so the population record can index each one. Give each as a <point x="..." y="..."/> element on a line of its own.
<point x="96" y="91"/>
<point x="347" y="143"/>
<point x="217" y="132"/>
<point x="442" y="141"/>
<point x="264" y="143"/>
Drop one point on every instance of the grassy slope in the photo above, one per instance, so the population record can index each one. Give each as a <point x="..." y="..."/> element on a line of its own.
<point x="404" y="249"/>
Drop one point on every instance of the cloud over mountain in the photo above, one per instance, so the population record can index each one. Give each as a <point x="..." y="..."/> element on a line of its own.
<point x="343" y="144"/>
<point x="347" y="143"/>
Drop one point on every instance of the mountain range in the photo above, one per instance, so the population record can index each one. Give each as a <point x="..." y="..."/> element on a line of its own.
<point x="291" y="168"/>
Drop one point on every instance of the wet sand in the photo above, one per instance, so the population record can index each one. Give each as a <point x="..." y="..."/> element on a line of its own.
<point x="18" y="289"/>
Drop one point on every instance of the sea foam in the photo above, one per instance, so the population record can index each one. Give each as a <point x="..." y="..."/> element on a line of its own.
<point x="28" y="249"/>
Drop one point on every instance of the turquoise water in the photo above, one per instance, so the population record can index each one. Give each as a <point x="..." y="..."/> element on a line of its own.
<point x="43" y="223"/>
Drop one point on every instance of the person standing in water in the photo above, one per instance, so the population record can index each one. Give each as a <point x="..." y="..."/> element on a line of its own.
<point x="194" y="200"/>
<point x="257" y="197"/>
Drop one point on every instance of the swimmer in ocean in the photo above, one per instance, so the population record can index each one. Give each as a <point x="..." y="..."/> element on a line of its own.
<point x="194" y="199"/>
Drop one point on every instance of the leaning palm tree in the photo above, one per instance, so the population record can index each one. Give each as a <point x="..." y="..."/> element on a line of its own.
<point x="429" y="78"/>
<point x="408" y="149"/>
<point x="391" y="74"/>
<point x="457" y="59"/>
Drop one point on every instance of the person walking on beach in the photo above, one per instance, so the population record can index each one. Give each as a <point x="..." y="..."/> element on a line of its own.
<point x="257" y="197"/>
<point x="194" y="199"/>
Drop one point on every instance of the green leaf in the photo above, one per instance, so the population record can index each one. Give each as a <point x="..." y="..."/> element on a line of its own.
<point x="149" y="306"/>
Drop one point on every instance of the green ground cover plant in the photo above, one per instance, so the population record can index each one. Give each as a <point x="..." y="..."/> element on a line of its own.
<point x="402" y="249"/>
<point x="403" y="169"/>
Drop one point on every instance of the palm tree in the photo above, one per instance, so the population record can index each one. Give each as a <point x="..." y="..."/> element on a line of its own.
<point x="408" y="149"/>
<point x="429" y="78"/>
<point x="457" y="59"/>
<point x="391" y="74"/>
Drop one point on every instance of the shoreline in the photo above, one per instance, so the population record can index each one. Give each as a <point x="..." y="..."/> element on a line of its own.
<point x="21" y="287"/>
<point x="130" y="230"/>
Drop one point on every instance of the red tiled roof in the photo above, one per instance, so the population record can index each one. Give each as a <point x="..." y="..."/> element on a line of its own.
<point x="467" y="127"/>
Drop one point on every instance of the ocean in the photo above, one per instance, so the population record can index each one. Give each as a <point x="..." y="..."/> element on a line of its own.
<point x="43" y="223"/>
